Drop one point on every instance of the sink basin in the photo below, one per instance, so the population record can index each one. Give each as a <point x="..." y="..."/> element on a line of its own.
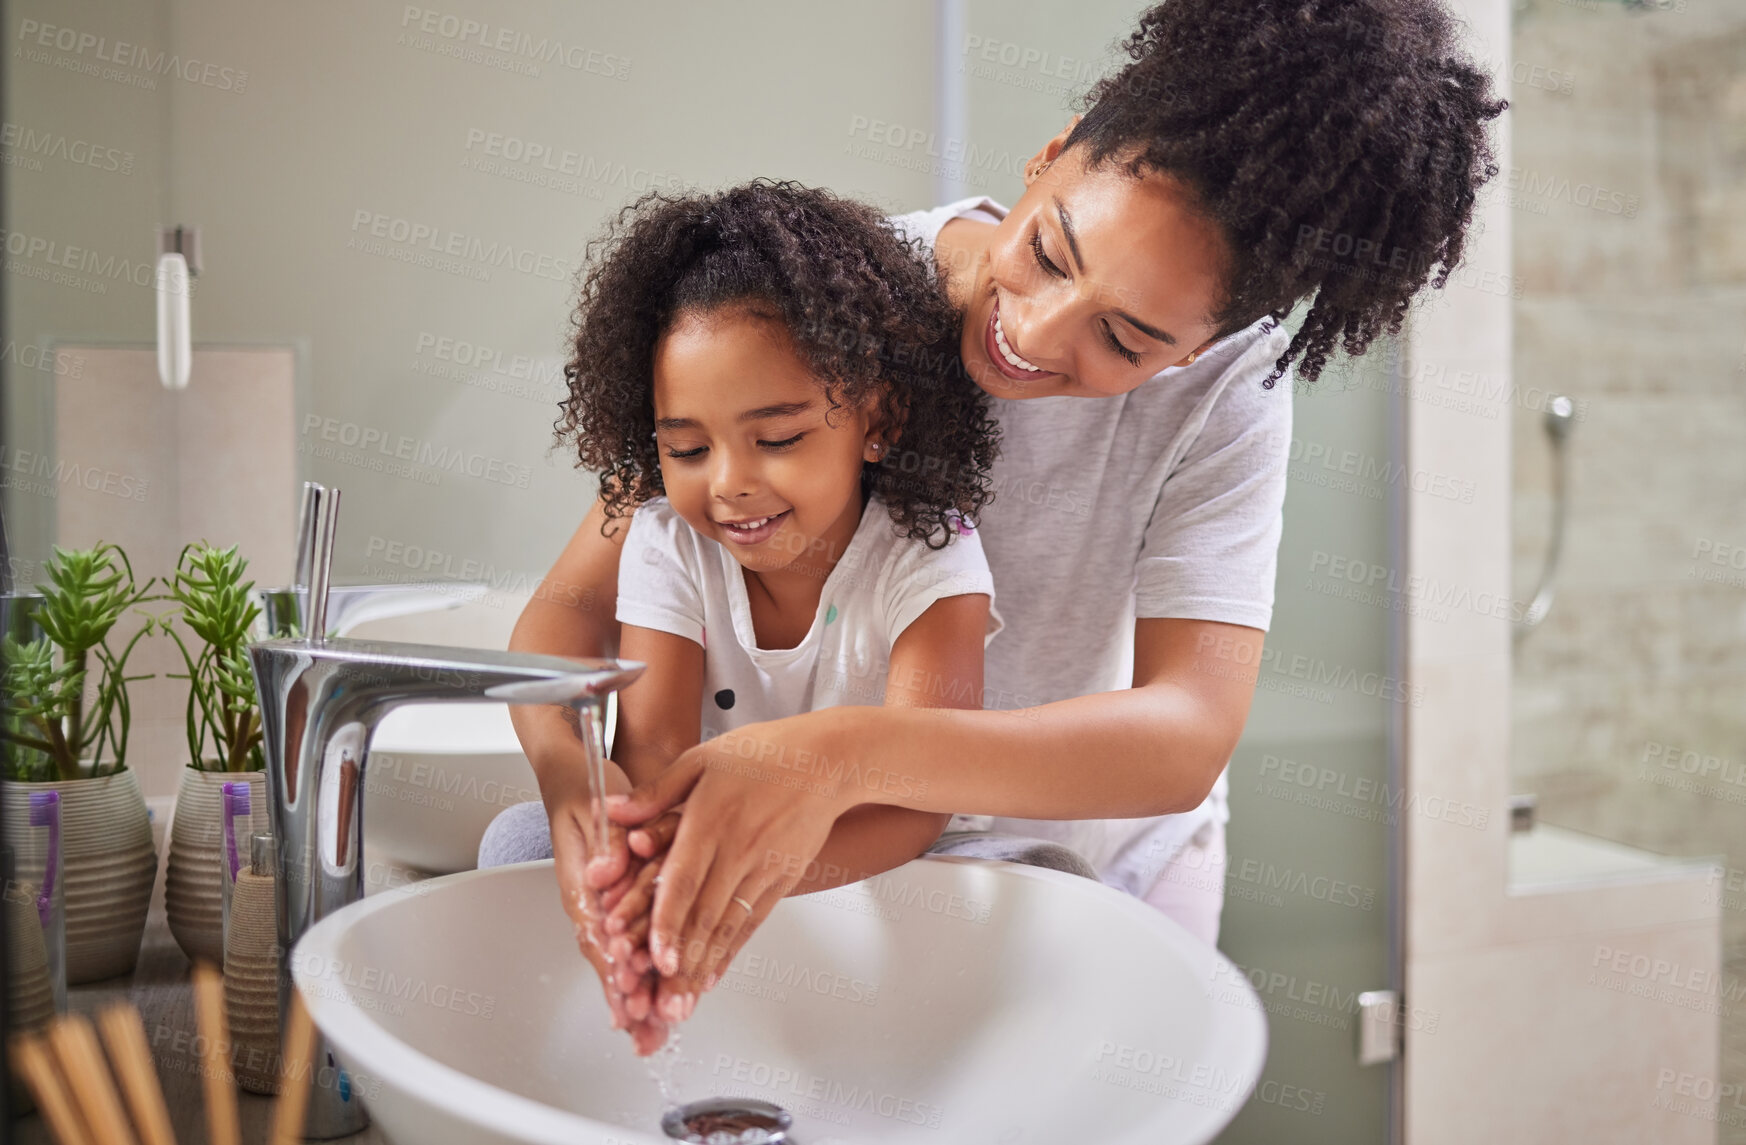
<point x="438" y="775"/>
<point x="952" y="1000"/>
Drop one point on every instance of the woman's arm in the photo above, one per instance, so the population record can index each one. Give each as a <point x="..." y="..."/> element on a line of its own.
<point x="1157" y="748"/>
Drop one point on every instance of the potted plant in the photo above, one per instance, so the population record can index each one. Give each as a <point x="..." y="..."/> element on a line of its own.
<point x="224" y="741"/>
<point x="66" y="721"/>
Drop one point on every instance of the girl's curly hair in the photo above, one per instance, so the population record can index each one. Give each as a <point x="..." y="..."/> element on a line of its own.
<point x="1340" y="144"/>
<point x="860" y="304"/>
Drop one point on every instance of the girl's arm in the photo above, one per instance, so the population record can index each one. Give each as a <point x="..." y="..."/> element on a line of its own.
<point x="935" y="662"/>
<point x="660" y="714"/>
<point x="573" y="613"/>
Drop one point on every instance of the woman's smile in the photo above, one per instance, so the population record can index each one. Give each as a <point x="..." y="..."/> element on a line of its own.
<point x="1000" y="351"/>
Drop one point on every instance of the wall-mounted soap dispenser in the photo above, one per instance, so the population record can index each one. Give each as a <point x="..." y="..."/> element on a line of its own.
<point x="178" y="263"/>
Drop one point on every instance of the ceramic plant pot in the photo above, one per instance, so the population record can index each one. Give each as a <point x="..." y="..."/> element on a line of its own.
<point x="30" y="991"/>
<point x="108" y="864"/>
<point x="193" y="882"/>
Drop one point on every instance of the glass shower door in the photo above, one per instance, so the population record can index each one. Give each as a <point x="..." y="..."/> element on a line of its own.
<point x="1315" y="803"/>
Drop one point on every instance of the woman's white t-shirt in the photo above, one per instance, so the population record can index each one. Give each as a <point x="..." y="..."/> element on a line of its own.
<point x="1162" y="502"/>
<point x="672" y="579"/>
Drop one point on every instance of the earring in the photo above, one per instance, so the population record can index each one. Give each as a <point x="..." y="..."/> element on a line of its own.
<point x="1189" y="361"/>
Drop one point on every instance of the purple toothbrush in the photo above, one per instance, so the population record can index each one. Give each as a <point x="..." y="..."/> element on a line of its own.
<point x="236" y="805"/>
<point x="45" y="811"/>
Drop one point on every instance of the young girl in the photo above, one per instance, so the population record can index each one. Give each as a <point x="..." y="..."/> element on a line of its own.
<point x="767" y="377"/>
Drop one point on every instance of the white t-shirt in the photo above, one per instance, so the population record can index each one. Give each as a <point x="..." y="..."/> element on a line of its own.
<point x="1163" y="502"/>
<point x="671" y="579"/>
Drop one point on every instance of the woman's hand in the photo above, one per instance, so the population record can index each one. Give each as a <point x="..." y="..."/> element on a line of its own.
<point x="781" y="785"/>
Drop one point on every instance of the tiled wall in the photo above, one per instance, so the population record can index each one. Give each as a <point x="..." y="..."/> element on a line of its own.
<point x="1629" y="211"/>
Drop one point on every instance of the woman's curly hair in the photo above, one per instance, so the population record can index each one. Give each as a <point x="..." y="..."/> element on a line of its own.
<point x="1340" y="144"/>
<point x="860" y="304"/>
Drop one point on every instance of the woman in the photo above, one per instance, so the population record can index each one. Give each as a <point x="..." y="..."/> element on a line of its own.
<point x="1125" y="315"/>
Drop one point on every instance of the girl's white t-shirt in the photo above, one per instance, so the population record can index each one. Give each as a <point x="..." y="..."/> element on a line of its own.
<point x="672" y="579"/>
<point x="1163" y="502"/>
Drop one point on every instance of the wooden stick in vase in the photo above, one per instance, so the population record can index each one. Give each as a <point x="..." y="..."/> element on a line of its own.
<point x="34" y="1062"/>
<point x="124" y="1037"/>
<point x="74" y="1042"/>
<point x="222" y="1124"/>
<point x="297" y="1066"/>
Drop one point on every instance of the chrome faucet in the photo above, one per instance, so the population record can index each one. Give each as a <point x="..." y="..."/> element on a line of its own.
<point x="321" y="701"/>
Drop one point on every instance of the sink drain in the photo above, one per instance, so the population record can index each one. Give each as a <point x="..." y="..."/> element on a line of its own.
<point x="729" y="1121"/>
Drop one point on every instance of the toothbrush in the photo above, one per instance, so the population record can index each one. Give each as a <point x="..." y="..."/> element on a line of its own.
<point x="236" y="805"/>
<point x="45" y="811"/>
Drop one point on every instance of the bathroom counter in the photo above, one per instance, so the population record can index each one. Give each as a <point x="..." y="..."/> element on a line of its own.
<point x="1548" y="858"/>
<point x="161" y="987"/>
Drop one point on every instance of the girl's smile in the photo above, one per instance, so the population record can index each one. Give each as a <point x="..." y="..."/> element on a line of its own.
<point x="752" y="530"/>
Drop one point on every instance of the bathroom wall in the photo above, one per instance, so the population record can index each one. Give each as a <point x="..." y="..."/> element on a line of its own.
<point x="307" y="143"/>
<point x="157" y="469"/>
<point x="85" y="148"/>
<point x="1628" y="191"/>
<point x="329" y="172"/>
<point x="414" y="205"/>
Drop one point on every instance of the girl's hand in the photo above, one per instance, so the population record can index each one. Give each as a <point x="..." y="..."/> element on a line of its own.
<point x="778" y="785"/>
<point x="591" y="881"/>
<point x="653" y="838"/>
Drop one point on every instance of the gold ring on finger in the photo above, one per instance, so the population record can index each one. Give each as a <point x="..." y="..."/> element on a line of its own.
<point x="743" y="903"/>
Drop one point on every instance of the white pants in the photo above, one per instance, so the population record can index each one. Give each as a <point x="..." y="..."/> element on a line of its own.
<point x="1191" y="887"/>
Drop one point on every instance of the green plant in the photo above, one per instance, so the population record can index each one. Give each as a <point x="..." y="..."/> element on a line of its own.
<point x="218" y="607"/>
<point x="49" y="726"/>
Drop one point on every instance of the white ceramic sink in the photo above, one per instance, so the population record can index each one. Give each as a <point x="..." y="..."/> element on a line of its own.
<point x="438" y="774"/>
<point x="950" y="1001"/>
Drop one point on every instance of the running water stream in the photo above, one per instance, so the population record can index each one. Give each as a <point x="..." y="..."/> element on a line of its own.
<point x="730" y="1123"/>
<point x="661" y="1064"/>
<point x="591" y="725"/>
